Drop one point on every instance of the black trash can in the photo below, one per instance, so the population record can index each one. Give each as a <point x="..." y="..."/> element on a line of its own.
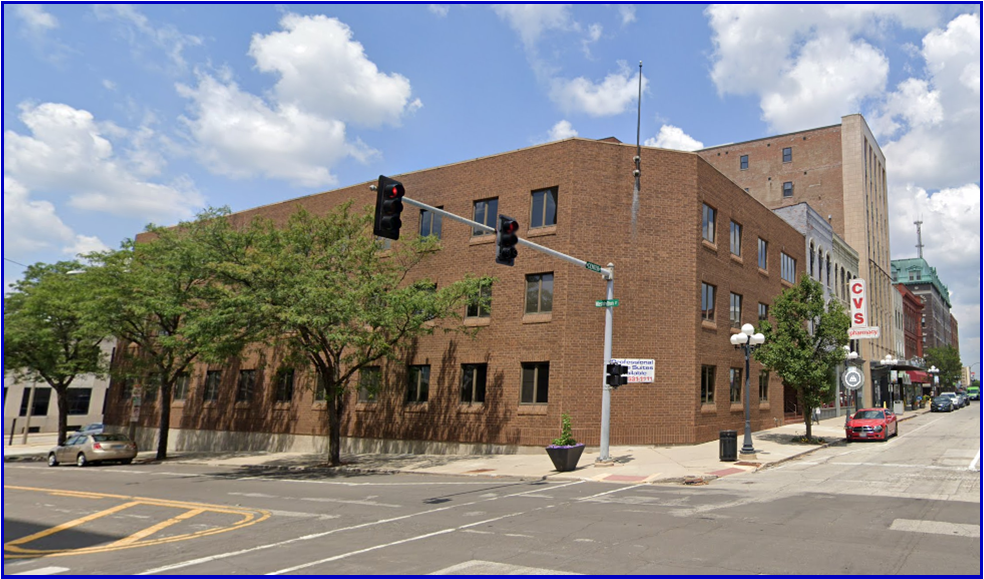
<point x="728" y="445"/>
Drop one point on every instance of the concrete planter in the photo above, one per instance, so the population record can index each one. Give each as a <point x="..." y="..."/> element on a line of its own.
<point x="565" y="457"/>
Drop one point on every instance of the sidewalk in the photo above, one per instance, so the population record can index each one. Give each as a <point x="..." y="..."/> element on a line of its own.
<point x="696" y="464"/>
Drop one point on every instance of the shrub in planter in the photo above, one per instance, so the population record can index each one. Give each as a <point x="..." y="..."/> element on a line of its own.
<point x="565" y="451"/>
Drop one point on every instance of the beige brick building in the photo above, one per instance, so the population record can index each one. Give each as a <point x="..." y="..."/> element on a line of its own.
<point x="840" y="172"/>
<point x="695" y="233"/>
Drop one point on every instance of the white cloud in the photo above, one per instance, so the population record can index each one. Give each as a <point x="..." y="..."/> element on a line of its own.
<point x="108" y="84"/>
<point x="609" y="97"/>
<point x="951" y="234"/>
<point x="324" y="71"/>
<point x="671" y="137"/>
<point x="69" y="153"/>
<point x="38" y="21"/>
<point x="440" y="10"/>
<point x="241" y="136"/>
<point x="937" y="119"/>
<point x="806" y="63"/>
<point x="139" y="30"/>
<point x="29" y="226"/>
<point x="627" y="13"/>
<point x="562" y="130"/>
<point x="85" y="244"/>
<point x="593" y="36"/>
<point x="530" y="21"/>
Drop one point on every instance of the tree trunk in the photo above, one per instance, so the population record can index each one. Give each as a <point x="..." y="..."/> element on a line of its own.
<point x="335" y="429"/>
<point x="62" y="395"/>
<point x="165" y="424"/>
<point x="807" y="416"/>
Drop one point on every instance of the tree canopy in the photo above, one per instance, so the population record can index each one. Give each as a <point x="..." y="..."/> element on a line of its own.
<point x="947" y="359"/>
<point x="805" y="344"/>
<point x="47" y="335"/>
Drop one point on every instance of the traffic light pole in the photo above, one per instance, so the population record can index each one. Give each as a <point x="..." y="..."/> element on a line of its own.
<point x="607" y="274"/>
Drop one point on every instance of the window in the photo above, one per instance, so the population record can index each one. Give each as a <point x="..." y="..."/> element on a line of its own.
<point x="735" y="311"/>
<point x="787" y="155"/>
<point x="787" y="189"/>
<point x="539" y="293"/>
<point x="763" y="254"/>
<point x="544" y="212"/>
<point x="829" y="270"/>
<point x="211" y="390"/>
<point x="473" y="377"/>
<point x="744" y="164"/>
<point x="788" y="268"/>
<point x="763" y="312"/>
<point x="707" y="292"/>
<point x="321" y="389"/>
<point x="42" y="396"/>
<point x="485" y="213"/>
<point x="707" y="384"/>
<point x="813" y="255"/>
<point x="78" y="401"/>
<point x="764" y="387"/>
<point x="736" y="238"/>
<point x="430" y="223"/>
<point x="126" y="390"/>
<point x="479" y="307"/>
<point x="710" y="219"/>
<point x="734" y="377"/>
<point x="180" y="391"/>
<point x="536" y="383"/>
<point x="418" y="385"/>
<point x="285" y="386"/>
<point x="246" y="385"/>
<point x="370" y="382"/>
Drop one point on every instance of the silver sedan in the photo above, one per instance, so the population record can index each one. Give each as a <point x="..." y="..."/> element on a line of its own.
<point x="86" y="449"/>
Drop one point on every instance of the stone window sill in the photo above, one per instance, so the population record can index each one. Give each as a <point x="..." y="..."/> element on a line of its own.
<point x="542" y="231"/>
<point x="532" y="410"/>
<point x="708" y="245"/>
<point x="477" y="322"/>
<point x="537" y="318"/>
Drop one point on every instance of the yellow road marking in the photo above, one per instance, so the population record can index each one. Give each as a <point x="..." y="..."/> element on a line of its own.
<point x="249" y="517"/>
<point x="65" y="526"/>
<point x="158" y="527"/>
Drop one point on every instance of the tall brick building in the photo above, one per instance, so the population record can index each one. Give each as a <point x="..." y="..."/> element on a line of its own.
<point x="698" y="259"/>
<point x="840" y="171"/>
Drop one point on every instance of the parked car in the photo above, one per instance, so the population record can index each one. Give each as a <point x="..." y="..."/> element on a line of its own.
<point x="941" y="404"/>
<point x="957" y="401"/>
<point x="95" y="428"/>
<point x="86" y="449"/>
<point x="964" y="399"/>
<point x="872" y="424"/>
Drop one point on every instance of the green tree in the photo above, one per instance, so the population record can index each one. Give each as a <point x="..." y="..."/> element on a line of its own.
<point x="333" y="295"/>
<point x="46" y="334"/>
<point x="805" y="344"/>
<point x="947" y="359"/>
<point x="162" y="300"/>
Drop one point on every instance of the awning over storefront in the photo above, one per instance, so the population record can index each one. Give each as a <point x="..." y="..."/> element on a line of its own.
<point x="919" y="377"/>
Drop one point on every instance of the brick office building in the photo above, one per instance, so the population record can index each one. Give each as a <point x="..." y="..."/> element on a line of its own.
<point x="840" y="171"/>
<point x="699" y="258"/>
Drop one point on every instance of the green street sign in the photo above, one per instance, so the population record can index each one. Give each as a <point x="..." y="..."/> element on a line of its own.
<point x="593" y="267"/>
<point x="606" y="303"/>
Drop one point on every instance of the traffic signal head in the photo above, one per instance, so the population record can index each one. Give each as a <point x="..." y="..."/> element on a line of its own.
<point x="389" y="206"/>
<point x="617" y="375"/>
<point x="506" y="240"/>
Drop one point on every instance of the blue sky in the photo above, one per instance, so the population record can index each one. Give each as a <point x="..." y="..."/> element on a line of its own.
<point x="119" y="115"/>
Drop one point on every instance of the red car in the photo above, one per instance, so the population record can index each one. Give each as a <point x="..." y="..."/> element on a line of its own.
<point x="872" y="424"/>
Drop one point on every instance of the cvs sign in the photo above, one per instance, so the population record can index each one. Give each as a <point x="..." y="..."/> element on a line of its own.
<point x="859" y="303"/>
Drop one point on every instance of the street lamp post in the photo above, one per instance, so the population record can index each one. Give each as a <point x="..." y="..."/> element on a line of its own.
<point x="934" y="372"/>
<point x="854" y="359"/>
<point x="747" y="340"/>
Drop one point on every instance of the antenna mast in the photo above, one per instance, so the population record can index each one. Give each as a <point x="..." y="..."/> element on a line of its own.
<point x="919" y="244"/>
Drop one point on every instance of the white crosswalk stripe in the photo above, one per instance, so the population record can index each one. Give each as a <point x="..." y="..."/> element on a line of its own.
<point x="44" y="571"/>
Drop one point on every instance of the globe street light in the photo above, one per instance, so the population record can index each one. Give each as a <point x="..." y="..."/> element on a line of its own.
<point x="853" y="360"/>
<point x="935" y="372"/>
<point x="748" y="341"/>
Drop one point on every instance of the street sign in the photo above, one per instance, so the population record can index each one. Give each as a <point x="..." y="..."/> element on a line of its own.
<point x="640" y="371"/>
<point x="606" y="303"/>
<point x="871" y="333"/>
<point x="592" y="266"/>
<point x="853" y="379"/>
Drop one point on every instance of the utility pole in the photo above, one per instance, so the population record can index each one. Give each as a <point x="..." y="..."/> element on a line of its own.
<point x="608" y="274"/>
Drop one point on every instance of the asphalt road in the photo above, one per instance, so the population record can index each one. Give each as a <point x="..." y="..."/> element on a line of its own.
<point x="911" y="505"/>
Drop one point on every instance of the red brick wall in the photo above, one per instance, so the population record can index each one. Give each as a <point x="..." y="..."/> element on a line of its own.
<point x="815" y="171"/>
<point x="659" y="265"/>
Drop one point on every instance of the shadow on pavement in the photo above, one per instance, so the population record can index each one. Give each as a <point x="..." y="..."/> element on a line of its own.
<point x="68" y="539"/>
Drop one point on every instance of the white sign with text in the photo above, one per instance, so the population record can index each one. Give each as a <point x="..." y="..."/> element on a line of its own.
<point x="640" y="371"/>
